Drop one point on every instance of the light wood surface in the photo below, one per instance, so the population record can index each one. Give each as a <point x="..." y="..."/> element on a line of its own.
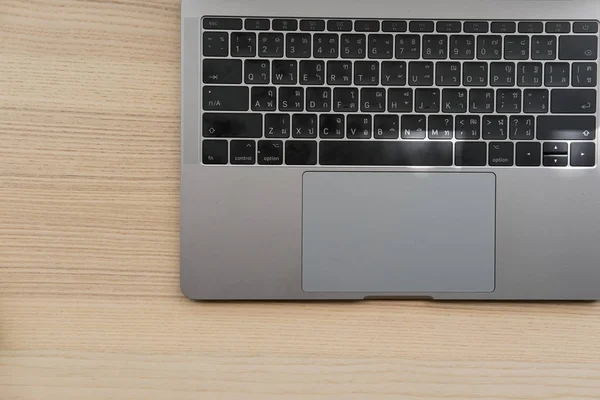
<point x="90" y="306"/>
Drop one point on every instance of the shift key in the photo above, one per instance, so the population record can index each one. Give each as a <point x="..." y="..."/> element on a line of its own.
<point x="574" y="101"/>
<point x="567" y="127"/>
<point x="229" y="125"/>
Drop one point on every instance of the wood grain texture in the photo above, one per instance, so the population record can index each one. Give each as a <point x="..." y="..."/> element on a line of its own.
<point x="90" y="306"/>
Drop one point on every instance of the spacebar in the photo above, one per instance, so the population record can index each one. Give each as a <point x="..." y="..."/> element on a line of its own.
<point x="434" y="154"/>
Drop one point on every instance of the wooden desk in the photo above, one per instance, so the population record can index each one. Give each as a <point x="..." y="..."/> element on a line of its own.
<point x="90" y="306"/>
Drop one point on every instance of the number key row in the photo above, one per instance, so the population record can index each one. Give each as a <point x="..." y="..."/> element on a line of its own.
<point x="388" y="46"/>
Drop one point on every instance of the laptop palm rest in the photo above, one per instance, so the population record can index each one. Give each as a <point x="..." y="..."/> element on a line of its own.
<point x="398" y="232"/>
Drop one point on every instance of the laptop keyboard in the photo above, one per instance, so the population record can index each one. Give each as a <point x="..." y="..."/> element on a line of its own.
<point x="303" y="92"/>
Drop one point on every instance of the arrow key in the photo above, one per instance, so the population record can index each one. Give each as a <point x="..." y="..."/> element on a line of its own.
<point x="556" y="161"/>
<point x="583" y="154"/>
<point x="556" y="148"/>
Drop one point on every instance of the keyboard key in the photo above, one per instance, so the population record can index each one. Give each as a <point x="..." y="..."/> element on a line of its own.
<point x="578" y="48"/>
<point x="585" y="27"/>
<point x="414" y="126"/>
<point x="449" y="26"/>
<point x="420" y="73"/>
<point x="400" y="100"/>
<point x="277" y="126"/>
<point x="583" y="154"/>
<point x="300" y="152"/>
<point x="359" y="127"/>
<point x="408" y="47"/>
<point x="318" y="99"/>
<point x="475" y="74"/>
<point x="264" y="98"/>
<point x="366" y="73"/>
<point x="476" y="27"/>
<point x="257" y="72"/>
<point x="447" y="74"/>
<point x="270" y="45"/>
<point x="215" y="44"/>
<point x="325" y="45"/>
<point x="386" y="127"/>
<point x="516" y="47"/>
<point x="231" y="24"/>
<point x="243" y="152"/>
<point x="229" y="125"/>
<point x="391" y="153"/>
<point x="508" y="101"/>
<point x="304" y="126"/>
<point x="258" y="24"/>
<point x="471" y="154"/>
<point x="462" y="47"/>
<point x="243" y="44"/>
<point x="504" y="27"/>
<point x="573" y="101"/>
<point x="331" y="126"/>
<point x="285" y="25"/>
<point x="345" y="100"/>
<point x="531" y="27"/>
<point x="366" y="26"/>
<point x="354" y="46"/>
<point x="529" y="74"/>
<point x="372" y="100"/>
<point x="312" y="72"/>
<point x="393" y="73"/>
<point x="556" y="148"/>
<point x="536" y="101"/>
<point x="495" y="127"/>
<point x="421" y="26"/>
<point x="585" y="74"/>
<point x="501" y="154"/>
<point x="427" y="100"/>
<point x="555" y="127"/>
<point x="270" y="152"/>
<point x="558" y="27"/>
<point x="339" y="73"/>
<point x="221" y="71"/>
<point x="481" y="101"/>
<point x="454" y="101"/>
<point x="381" y="46"/>
<point x="489" y="47"/>
<point x="225" y="98"/>
<point x="522" y="127"/>
<point x="556" y="161"/>
<point x="342" y="25"/>
<point x="298" y="45"/>
<point x="312" y="25"/>
<point x="440" y="127"/>
<point x="529" y="154"/>
<point x="502" y="74"/>
<point x="435" y="47"/>
<point x="468" y="127"/>
<point x="557" y="74"/>
<point x="394" y="26"/>
<point x="291" y="99"/>
<point x="285" y="72"/>
<point x="214" y="151"/>
<point x="543" y="47"/>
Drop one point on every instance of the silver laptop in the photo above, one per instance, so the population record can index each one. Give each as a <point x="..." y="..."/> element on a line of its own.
<point x="390" y="149"/>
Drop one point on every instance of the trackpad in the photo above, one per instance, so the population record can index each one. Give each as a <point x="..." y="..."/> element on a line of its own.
<point x="398" y="232"/>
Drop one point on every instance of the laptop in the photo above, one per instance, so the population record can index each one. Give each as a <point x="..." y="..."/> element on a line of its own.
<point x="403" y="149"/>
